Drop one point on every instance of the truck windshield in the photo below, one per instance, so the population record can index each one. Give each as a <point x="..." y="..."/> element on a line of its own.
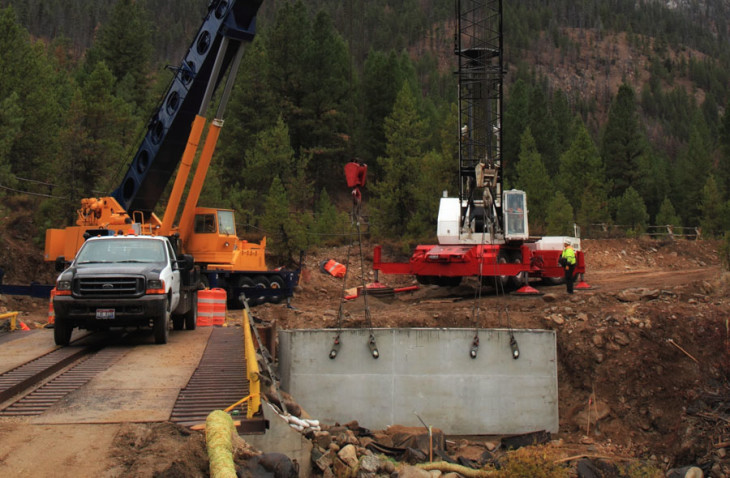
<point x="121" y="250"/>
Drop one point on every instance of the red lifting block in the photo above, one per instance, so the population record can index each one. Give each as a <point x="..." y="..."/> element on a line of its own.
<point x="355" y="173"/>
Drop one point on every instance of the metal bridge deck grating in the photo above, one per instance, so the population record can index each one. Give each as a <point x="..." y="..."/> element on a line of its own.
<point x="218" y="382"/>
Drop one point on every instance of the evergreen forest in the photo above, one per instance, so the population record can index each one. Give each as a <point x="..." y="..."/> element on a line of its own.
<point x="615" y="112"/>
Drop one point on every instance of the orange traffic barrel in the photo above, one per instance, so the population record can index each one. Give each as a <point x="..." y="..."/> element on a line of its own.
<point x="219" y="297"/>
<point x="51" y="312"/>
<point x="211" y="307"/>
<point x="205" y="309"/>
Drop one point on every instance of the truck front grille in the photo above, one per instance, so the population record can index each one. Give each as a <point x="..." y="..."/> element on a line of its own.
<point x="106" y="287"/>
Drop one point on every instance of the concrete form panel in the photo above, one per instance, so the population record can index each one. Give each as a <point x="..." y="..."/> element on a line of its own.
<point x="425" y="372"/>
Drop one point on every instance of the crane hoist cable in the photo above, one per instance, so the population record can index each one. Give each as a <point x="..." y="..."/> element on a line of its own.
<point x="499" y="290"/>
<point x="355" y="224"/>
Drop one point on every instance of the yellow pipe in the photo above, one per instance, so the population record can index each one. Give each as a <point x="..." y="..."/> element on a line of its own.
<point x="199" y="179"/>
<point x="252" y="368"/>
<point x="12" y="316"/>
<point x="182" y="175"/>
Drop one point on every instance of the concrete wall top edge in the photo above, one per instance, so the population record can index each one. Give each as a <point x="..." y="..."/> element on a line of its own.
<point x="415" y="329"/>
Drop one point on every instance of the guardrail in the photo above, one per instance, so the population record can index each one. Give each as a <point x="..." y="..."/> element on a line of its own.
<point x="605" y="230"/>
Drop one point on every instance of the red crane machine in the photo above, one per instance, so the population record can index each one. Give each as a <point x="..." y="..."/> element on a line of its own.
<point x="484" y="231"/>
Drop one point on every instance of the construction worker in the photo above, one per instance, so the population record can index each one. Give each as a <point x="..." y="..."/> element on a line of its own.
<point x="568" y="261"/>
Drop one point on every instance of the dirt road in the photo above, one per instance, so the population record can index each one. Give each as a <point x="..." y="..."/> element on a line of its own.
<point x="647" y="345"/>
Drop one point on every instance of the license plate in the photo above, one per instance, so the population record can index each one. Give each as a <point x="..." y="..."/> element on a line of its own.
<point x="105" y="313"/>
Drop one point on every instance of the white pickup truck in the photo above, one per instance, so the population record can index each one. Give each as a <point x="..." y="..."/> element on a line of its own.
<point x="126" y="281"/>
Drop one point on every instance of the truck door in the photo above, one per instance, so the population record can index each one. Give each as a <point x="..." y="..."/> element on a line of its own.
<point x="176" y="280"/>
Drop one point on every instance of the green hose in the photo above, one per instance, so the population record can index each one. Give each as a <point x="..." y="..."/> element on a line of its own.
<point x="219" y="430"/>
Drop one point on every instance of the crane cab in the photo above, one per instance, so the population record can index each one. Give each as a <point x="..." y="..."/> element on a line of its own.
<point x="213" y="241"/>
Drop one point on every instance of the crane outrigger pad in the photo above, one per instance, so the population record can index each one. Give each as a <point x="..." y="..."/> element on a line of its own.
<point x="527" y="290"/>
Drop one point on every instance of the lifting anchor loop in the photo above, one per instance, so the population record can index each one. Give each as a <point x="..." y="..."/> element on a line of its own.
<point x="373" y="347"/>
<point x="514" y="347"/>
<point x="474" y="347"/>
<point x="335" y="347"/>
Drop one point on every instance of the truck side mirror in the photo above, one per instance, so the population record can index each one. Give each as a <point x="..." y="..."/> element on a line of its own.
<point x="60" y="265"/>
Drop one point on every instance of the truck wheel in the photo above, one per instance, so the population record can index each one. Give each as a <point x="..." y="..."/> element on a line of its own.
<point x="191" y="316"/>
<point x="162" y="325"/>
<point x="62" y="332"/>
<point x="261" y="282"/>
<point x="276" y="283"/>
<point x="235" y="301"/>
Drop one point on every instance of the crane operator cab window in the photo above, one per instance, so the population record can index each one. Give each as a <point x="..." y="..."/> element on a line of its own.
<point x="205" y="223"/>
<point x="515" y="216"/>
<point x="226" y="223"/>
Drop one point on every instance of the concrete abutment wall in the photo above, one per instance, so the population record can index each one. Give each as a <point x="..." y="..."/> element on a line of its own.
<point x="428" y="372"/>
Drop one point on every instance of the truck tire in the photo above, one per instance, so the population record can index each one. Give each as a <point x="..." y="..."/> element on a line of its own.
<point x="191" y="316"/>
<point x="62" y="332"/>
<point x="277" y="282"/>
<point x="261" y="282"/>
<point x="235" y="301"/>
<point x="161" y="325"/>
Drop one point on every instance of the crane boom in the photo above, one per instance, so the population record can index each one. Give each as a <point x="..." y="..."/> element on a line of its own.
<point x="167" y="132"/>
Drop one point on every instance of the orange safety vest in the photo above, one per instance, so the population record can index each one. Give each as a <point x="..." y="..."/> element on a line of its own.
<point x="335" y="268"/>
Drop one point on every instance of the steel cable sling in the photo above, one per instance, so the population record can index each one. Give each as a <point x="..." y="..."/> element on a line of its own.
<point x="340" y="312"/>
<point x="499" y="289"/>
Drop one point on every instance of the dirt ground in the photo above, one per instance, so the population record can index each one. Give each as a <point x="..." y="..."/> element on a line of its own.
<point x="643" y="355"/>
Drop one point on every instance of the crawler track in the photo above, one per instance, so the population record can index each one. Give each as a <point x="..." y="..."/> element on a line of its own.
<point x="218" y="382"/>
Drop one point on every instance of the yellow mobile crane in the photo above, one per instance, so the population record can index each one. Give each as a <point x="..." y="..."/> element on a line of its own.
<point x="171" y="143"/>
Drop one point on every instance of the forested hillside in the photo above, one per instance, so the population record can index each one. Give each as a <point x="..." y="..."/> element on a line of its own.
<point x="615" y="111"/>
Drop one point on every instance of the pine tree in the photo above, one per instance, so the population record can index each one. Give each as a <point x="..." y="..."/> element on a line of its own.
<point x="560" y="216"/>
<point x="392" y="204"/>
<point x="11" y="120"/>
<point x="690" y="175"/>
<point x="667" y="216"/>
<point x="533" y="178"/>
<point x="563" y="122"/>
<point x="631" y="212"/>
<point x="431" y="179"/>
<point x="253" y="108"/>
<point x="381" y="82"/>
<point x="286" y="235"/>
<point x="327" y="101"/>
<point x="622" y="141"/>
<point x="594" y="208"/>
<point x="288" y="42"/>
<point x="125" y="45"/>
<point x="581" y="169"/>
<point x="95" y="140"/>
<point x="653" y="183"/>
<point x="713" y="221"/>
<point x="271" y="157"/>
<point x="541" y="125"/>
<point x="28" y="79"/>
<point x="328" y="224"/>
<point x="723" y="168"/>
<point x="514" y="124"/>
